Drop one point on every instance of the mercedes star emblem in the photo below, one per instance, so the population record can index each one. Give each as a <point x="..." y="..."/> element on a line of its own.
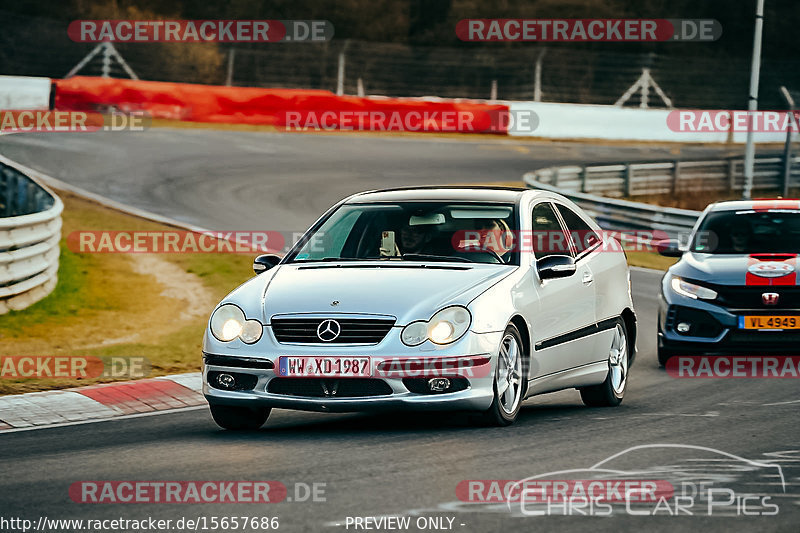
<point x="328" y="330"/>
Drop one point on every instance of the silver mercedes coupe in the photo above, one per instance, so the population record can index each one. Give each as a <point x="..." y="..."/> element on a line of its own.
<point x="436" y="298"/>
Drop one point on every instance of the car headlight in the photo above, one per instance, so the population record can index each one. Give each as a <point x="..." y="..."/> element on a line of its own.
<point x="228" y="323"/>
<point x="692" y="290"/>
<point x="446" y="326"/>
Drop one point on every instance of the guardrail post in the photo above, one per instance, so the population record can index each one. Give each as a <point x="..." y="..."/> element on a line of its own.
<point x="676" y="175"/>
<point x="787" y="161"/>
<point x="628" y="180"/>
<point x="556" y="174"/>
<point x="731" y="174"/>
<point x="584" y="175"/>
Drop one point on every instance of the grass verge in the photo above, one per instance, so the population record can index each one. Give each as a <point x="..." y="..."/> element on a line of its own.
<point x="107" y="304"/>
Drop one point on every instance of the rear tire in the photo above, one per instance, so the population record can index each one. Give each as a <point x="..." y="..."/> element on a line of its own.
<point x="611" y="391"/>
<point x="510" y="379"/>
<point x="239" y="418"/>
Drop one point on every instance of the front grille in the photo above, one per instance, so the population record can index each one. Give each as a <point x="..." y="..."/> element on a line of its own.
<point x="353" y="330"/>
<point x="766" y="340"/>
<point x="740" y="297"/>
<point x="329" y="388"/>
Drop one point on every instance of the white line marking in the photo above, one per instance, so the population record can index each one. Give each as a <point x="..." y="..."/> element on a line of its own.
<point x="781" y="403"/>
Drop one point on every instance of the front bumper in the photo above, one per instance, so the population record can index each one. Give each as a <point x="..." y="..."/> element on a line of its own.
<point x="715" y="329"/>
<point x="476" y="393"/>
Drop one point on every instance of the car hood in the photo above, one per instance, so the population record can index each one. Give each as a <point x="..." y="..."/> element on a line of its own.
<point x="408" y="292"/>
<point x="740" y="269"/>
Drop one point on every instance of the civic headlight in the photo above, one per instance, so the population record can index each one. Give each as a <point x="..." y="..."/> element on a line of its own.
<point x="446" y="326"/>
<point x="692" y="290"/>
<point x="228" y="322"/>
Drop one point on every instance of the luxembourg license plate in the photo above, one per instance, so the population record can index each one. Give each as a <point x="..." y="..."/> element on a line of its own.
<point x="769" y="322"/>
<point x="324" y="367"/>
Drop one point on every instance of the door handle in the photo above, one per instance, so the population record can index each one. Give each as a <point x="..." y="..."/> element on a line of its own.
<point x="587" y="278"/>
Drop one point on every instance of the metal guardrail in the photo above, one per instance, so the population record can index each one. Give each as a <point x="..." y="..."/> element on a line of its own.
<point x="668" y="177"/>
<point x="615" y="214"/>
<point x="30" y="231"/>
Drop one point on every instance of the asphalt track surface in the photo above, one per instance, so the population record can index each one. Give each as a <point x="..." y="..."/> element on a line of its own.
<point x="395" y="464"/>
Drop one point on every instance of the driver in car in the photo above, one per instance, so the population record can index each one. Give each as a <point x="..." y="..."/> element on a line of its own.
<point x="413" y="239"/>
<point x="495" y="236"/>
<point x="740" y="233"/>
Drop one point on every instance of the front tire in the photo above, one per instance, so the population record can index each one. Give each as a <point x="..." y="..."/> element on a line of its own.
<point x="509" y="381"/>
<point x="611" y="391"/>
<point x="239" y="418"/>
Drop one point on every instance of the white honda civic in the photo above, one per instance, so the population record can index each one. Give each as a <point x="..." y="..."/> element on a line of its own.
<point x="427" y="298"/>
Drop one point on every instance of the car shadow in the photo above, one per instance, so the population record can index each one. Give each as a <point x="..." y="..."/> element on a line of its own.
<point x="304" y="425"/>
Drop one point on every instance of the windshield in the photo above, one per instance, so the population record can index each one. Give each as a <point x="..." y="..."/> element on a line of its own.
<point x="414" y="231"/>
<point x="749" y="232"/>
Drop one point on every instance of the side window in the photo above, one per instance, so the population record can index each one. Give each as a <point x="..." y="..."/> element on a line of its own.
<point x="582" y="235"/>
<point x="548" y="237"/>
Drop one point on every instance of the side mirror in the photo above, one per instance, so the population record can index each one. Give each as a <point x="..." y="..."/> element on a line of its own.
<point x="264" y="262"/>
<point x="555" y="266"/>
<point x="669" y="248"/>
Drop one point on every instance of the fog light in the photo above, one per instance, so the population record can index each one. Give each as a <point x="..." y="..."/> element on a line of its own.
<point x="684" y="327"/>
<point x="438" y="384"/>
<point x="226" y="381"/>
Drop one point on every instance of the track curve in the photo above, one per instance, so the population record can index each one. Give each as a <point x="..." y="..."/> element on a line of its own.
<point x="374" y="464"/>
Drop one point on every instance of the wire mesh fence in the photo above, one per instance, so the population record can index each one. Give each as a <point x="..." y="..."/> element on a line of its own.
<point x="39" y="46"/>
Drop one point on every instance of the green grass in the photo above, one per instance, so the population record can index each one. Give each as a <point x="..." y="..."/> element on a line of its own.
<point x="66" y="300"/>
<point x="102" y="296"/>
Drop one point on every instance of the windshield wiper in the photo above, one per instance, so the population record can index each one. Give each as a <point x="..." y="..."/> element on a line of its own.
<point x="432" y="257"/>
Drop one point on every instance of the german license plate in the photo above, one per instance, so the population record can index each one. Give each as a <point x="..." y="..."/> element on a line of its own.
<point x="769" y="322"/>
<point x="324" y="367"/>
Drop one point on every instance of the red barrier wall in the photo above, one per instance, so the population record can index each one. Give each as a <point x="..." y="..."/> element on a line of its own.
<point x="295" y="109"/>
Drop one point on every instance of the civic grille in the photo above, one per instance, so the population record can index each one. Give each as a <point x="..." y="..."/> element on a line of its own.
<point x="352" y="330"/>
<point x="738" y="297"/>
<point x="765" y="340"/>
<point x="329" y="388"/>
